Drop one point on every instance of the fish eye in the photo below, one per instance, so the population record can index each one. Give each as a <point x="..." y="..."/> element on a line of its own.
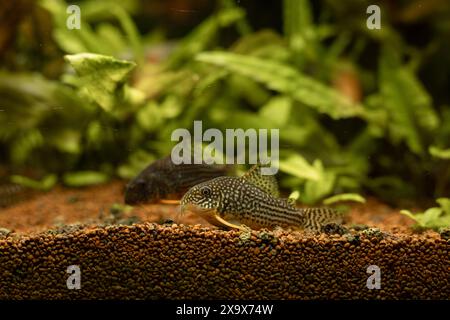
<point x="206" y="191"/>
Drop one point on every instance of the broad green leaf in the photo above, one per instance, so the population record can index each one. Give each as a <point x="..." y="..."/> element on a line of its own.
<point x="24" y="144"/>
<point x="84" y="178"/>
<point x="445" y="204"/>
<point x="45" y="184"/>
<point x="285" y="79"/>
<point x="297" y="166"/>
<point x="439" y="153"/>
<point x="294" y="196"/>
<point x="133" y="96"/>
<point x="344" y="197"/>
<point x="94" y="133"/>
<point x="149" y="116"/>
<point x="430" y="216"/>
<point x="66" y="140"/>
<point x="278" y="110"/>
<point x="101" y="75"/>
<point x="171" y="107"/>
<point x="409" y="214"/>
<point x="316" y="190"/>
<point x="433" y="218"/>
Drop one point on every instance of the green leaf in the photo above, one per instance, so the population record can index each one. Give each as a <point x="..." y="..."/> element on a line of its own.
<point x="253" y="43"/>
<point x="101" y="75"/>
<point x="171" y="107"/>
<point x="107" y="39"/>
<point x="430" y="216"/>
<point x="70" y="42"/>
<point x="344" y="197"/>
<point x="66" y="140"/>
<point x="439" y="153"/>
<point x="112" y="38"/>
<point x="316" y="190"/>
<point x="131" y="31"/>
<point x="433" y="218"/>
<point x="445" y="204"/>
<point x="149" y="116"/>
<point x="45" y="184"/>
<point x="409" y="106"/>
<point x="278" y="110"/>
<point x="285" y="79"/>
<point x="84" y="178"/>
<point x="300" y="29"/>
<point x="24" y="144"/>
<point x="203" y="35"/>
<point x="409" y="214"/>
<point x="295" y="195"/>
<point x="297" y="166"/>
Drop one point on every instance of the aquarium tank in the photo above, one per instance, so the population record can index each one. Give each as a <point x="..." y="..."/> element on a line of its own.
<point x="224" y="155"/>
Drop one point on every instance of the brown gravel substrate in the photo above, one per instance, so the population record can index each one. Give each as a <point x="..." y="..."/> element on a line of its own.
<point x="149" y="261"/>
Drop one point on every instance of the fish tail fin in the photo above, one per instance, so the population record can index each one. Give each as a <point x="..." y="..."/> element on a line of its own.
<point x="316" y="218"/>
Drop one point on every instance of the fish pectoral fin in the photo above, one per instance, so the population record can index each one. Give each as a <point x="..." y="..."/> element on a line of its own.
<point x="222" y="221"/>
<point x="169" y="201"/>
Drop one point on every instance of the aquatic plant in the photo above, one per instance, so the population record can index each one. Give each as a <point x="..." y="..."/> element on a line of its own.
<point x="354" y="112"/>
<point x="432" y="218"/>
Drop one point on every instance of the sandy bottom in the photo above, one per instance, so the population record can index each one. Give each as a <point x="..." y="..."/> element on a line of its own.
<point x="98" y="205"/>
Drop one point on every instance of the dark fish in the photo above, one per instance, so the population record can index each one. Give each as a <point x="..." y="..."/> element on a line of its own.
<point x="165" y="180"/>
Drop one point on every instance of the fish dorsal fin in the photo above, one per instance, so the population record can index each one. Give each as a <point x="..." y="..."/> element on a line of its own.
<point x="267" y="183"/>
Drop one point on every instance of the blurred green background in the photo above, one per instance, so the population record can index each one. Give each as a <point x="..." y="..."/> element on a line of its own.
<point x="359" y="111"/>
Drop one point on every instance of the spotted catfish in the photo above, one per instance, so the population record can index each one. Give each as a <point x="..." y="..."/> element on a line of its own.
<point x="252" y="201"/>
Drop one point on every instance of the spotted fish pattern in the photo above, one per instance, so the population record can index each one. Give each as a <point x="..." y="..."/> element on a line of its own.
<point x="236" y="201"/>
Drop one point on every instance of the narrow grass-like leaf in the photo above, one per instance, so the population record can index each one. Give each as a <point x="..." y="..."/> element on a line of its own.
<point x="344" y="197"/>
<point x="84" y="178"/>
<point x="45" y="184"/>
<point x="439" y="153"/>
<point x="408" y="104"/>
<point x="286" y="79"/>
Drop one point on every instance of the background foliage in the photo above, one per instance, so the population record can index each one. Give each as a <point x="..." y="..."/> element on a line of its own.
<point x="359" y="110"/>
